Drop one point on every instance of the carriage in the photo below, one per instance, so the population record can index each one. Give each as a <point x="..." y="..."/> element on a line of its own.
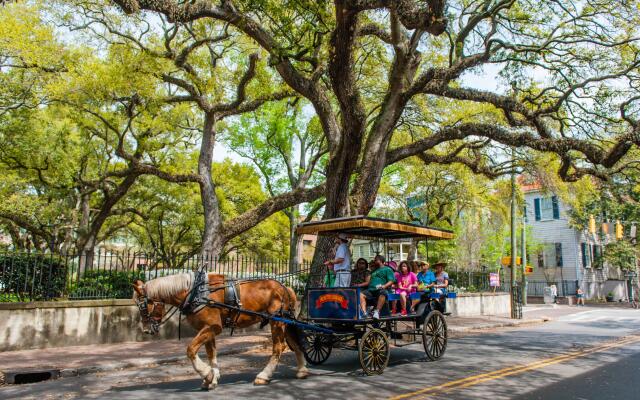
<point x="336" y="310"/>
<point x="331" y="318"/>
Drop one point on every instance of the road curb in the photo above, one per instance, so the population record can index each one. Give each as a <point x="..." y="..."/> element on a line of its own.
<point x="112" y="366"/>
<point x="492" y="325"/>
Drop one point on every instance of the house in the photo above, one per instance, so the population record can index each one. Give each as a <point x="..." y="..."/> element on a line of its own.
<point x="367" y="249"/>
<point x="566" y="256"/>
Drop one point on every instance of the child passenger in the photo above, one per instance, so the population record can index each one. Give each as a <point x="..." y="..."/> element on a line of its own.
<point x="406" y="284"/>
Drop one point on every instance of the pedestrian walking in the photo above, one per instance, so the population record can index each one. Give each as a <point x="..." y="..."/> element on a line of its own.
<point x="579" y="297"/>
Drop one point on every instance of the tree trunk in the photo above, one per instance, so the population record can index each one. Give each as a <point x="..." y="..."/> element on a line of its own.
<point x="294" y="261"/>
<point x="341" y="166"/>
<point x="212" y="238"/>
<point x="368" y="180"/>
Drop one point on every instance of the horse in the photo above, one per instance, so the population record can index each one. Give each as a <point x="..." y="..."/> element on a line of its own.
<point x="263" y="296"/>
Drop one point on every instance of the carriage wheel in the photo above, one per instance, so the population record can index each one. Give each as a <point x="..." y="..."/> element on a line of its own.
<point x="374" y="352"/>
<point x="434" y="335"/>
<point x="316" y="347"/>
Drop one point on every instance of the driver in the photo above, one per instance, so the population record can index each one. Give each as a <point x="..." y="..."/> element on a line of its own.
<point x="341" y="264"/>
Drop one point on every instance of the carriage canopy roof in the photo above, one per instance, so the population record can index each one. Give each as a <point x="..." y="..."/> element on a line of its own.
<point x="368" y="227"/>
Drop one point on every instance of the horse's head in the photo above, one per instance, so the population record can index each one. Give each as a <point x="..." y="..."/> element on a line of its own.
<point x="151" y="311"/>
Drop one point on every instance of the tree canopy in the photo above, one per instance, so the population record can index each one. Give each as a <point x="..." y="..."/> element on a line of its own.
<point x="324" y="98"/>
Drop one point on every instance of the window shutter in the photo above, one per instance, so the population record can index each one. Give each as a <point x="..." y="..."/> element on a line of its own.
<point x="526" y="217"/>
<point x="556" y="208"/>
<point x="583" y="248"/>
<point x="597" y="256"/>
<point x="541" y="260"/>
<point x="559" y="254"/>
<point x="536" y="205"/>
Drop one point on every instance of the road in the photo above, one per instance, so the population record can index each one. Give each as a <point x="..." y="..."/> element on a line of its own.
<point x="593" y="354"/>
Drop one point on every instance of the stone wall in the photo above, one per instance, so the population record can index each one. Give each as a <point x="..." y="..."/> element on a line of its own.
<point x="66" y="323"/>
<point x="475" y="304"/>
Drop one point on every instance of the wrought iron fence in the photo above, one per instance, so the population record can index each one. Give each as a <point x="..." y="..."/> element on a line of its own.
<point x="26" y="277"/>
<point x="565" y="287"/>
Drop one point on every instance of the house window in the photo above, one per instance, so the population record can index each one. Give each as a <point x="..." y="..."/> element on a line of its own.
<point x="546" y="208"/>
<point x="586" y="255"/>
<point x="551" y="256"/>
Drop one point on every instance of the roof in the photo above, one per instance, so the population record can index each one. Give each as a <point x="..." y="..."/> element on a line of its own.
<point x="527" y="184"/>
<point x="368" y="227"/>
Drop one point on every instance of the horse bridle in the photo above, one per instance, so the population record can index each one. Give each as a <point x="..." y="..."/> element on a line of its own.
<point x="143" y="306"/>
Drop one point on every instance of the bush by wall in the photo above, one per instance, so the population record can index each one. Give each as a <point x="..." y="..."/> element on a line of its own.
<point x="104" y="284"/>
<point x="31" y="277"/>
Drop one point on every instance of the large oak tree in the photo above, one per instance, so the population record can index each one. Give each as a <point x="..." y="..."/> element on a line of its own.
<point x="383" y="76"/>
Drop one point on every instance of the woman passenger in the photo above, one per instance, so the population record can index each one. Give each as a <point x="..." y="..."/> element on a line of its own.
<point x="442" y="278"/>
<point x="360" y="272"/>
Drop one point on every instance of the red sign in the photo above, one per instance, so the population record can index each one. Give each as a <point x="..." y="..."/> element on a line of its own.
<point x="332" y="298"/>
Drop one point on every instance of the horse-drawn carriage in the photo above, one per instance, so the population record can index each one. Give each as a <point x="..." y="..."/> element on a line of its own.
<point x="331" y="319"/>
<point x="337" y="309"/>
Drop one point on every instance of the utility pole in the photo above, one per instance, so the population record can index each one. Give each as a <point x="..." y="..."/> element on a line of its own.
<point x="514" y="313"/>
<point x="523" y="252"/>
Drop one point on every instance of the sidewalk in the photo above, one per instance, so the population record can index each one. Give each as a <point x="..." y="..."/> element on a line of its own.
<point x="80" y="360"/>
<point x="459" y="325"/>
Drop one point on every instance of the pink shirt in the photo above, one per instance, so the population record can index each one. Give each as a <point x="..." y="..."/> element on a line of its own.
<point x="405" y="281"/>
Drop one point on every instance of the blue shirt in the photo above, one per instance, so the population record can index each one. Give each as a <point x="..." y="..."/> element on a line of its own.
<point x="426" y="278"/>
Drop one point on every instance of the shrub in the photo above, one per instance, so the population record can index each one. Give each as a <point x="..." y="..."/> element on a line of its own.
<point x="105" y="284"/>
<point x="30" y="277"/>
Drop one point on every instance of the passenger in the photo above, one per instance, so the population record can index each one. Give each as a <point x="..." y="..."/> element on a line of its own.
<point x="426" y="277"/>
<point x="360" y="273"/>
<point x="341" y="264"/>
<point x="415" y="266"/>
<point x="426" y="281"/>
<point x="393" y="265"/>
<point x="442" y="278"/>
<point x="380" y="281"/>
<point x="406" y="284"/>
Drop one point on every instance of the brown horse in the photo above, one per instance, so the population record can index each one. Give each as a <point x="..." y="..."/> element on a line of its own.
<point x="264" y="296"/>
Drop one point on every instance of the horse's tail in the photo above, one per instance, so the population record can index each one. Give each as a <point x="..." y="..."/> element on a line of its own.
<point x="293" y="332"/>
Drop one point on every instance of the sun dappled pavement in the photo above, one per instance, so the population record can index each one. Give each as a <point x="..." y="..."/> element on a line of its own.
<point x="501" y="363"/>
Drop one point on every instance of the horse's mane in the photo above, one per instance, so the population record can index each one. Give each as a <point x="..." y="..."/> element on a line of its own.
<point x="167" y="286"/>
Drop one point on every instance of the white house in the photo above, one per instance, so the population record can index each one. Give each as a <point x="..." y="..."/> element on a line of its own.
<point x="569" y="257"/>
<point x="367" y="249"/>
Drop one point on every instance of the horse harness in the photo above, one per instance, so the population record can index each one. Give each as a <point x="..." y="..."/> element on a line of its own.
<point x="198" y="298"/>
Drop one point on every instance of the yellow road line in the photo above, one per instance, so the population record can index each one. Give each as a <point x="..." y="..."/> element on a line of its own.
<point x="504" y="372"/>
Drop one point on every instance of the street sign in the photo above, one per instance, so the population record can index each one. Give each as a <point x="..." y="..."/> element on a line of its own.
<point x="494" y="279"/>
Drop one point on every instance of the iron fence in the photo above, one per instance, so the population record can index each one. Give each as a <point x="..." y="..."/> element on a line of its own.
<point x="565" y="287"/>
<point x="474" y="281"/>
<point x="104" y="274"/>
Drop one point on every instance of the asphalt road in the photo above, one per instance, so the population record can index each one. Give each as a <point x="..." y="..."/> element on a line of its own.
<point x="594" y="354"/>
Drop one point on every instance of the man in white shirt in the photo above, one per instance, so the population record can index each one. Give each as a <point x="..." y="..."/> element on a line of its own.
<point x="342" y="262"/>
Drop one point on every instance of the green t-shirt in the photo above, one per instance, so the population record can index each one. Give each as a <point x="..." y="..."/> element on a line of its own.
<point x="381" y="276"/>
